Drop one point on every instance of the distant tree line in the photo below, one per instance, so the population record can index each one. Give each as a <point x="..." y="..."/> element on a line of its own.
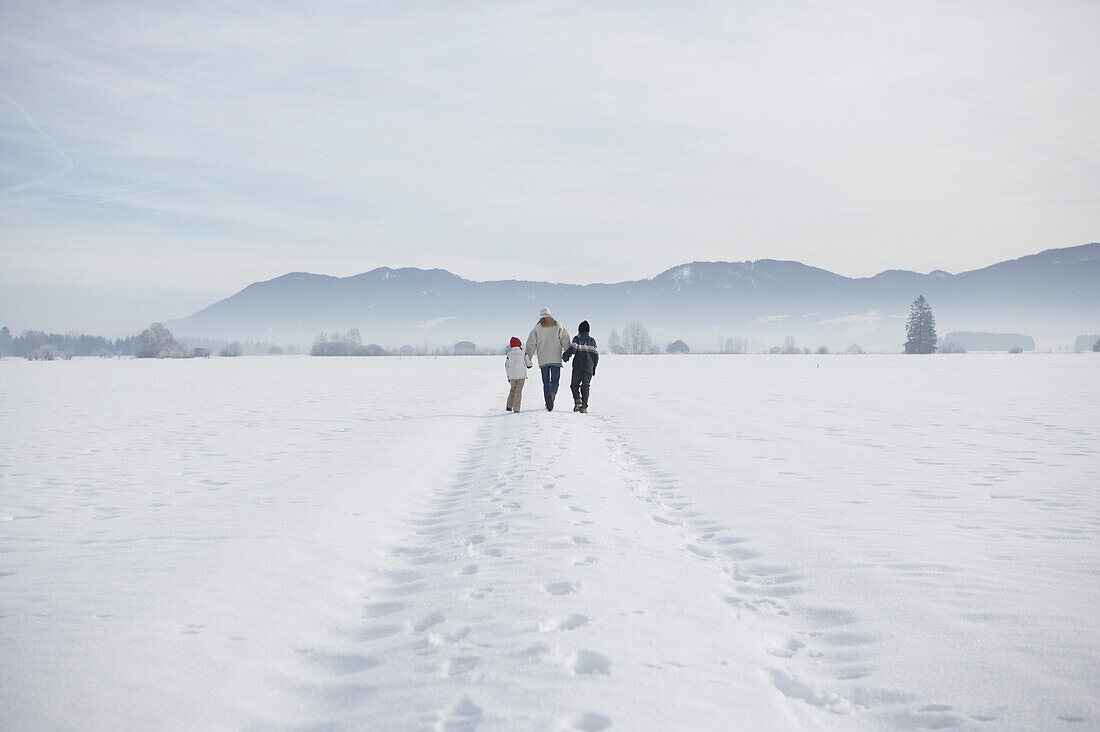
<point x="239" y="348"/>
<point x="36" y="344"/>
<point x="351" y="344"/>
<point x="635" y="339"/>
<point x="156" y="341"/>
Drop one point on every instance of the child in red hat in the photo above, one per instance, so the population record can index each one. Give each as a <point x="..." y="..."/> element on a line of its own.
<point x="516" y="365"/>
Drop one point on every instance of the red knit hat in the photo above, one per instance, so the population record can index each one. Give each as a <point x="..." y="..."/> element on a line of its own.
<point x="515" y="343"/>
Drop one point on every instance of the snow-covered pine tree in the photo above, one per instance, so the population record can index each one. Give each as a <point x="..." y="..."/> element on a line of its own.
<point x="920" y="328"/>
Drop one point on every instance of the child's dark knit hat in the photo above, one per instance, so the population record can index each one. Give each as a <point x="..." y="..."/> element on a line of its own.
<point x="515" y="343"/>
<point x="583" y="327"/>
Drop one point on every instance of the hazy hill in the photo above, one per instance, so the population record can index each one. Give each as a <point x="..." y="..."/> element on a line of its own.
<point x="1051" y="294"/>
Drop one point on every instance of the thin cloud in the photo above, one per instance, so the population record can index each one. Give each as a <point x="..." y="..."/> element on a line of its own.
<point x="67" y="163"/>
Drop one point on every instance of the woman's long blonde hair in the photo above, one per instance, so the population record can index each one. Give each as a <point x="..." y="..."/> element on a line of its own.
<point x="548" y="322"/>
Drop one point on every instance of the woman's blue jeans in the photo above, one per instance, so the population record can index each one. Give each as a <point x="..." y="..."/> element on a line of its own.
<point x="550" y="375"/>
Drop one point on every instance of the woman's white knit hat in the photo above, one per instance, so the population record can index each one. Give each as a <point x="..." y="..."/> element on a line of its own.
<point x="544" y="313"/>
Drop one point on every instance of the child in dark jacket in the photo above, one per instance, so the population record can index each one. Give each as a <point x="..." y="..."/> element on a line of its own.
<point x="585" y="357"/>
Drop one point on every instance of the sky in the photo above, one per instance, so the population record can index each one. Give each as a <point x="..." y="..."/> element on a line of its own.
<point x="156" y="157"/>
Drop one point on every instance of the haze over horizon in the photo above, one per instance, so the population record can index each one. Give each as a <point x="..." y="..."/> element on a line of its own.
<point x="155" y="159"/>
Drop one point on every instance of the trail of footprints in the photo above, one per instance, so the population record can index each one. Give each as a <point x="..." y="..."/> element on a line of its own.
<point x="447" y="625"/>
<point x="437" y="645"/>
<point x="810" y="638"/>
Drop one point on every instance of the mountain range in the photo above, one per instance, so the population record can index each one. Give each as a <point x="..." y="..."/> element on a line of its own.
<point x="1054" y="294"/>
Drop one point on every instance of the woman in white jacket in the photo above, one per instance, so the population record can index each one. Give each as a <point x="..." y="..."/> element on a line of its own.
<point x="548" y="340"/>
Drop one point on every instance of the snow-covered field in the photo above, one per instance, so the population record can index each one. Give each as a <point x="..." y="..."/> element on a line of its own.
<point x="747" y="542"/>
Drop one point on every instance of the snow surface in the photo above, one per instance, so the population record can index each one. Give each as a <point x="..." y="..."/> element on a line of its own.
<point x="727" y="542"/>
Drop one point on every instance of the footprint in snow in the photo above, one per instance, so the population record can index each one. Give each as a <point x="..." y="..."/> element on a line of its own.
<point x="402" y="576"/>
<point x="739" y="554"/>
<point x="462" y="716"/>
<point x="592" y="722"/>
<point x="728" y="540"/>
<point x="666" y="522"/>
<point x="458" y="635"/>
<point x="795" y="688"/>
<point x="571" y="622"/>
<point x="344" y="664"/>
<point x="562" y="588"/>
<point x="786" y="649"/>
<point x="376" y="632"/>
<point x="590" y="663"/>
<point x="699" y="551"/>
<point x="459" y="665"/>
<point x="851" y="673"/>
<point x="532" y="653"/>
<point x="381" y="609"/>
<point x="428" y="621"/>
<point x="936" y="716"/>
<point x="479" y="593"/>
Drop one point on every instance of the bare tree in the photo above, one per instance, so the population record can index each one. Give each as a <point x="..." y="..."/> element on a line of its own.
<point x="614" y="343"/>
<point x="636" y="339"/>
<point x="734" y="345"/>
<point x="156" y="341"/>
